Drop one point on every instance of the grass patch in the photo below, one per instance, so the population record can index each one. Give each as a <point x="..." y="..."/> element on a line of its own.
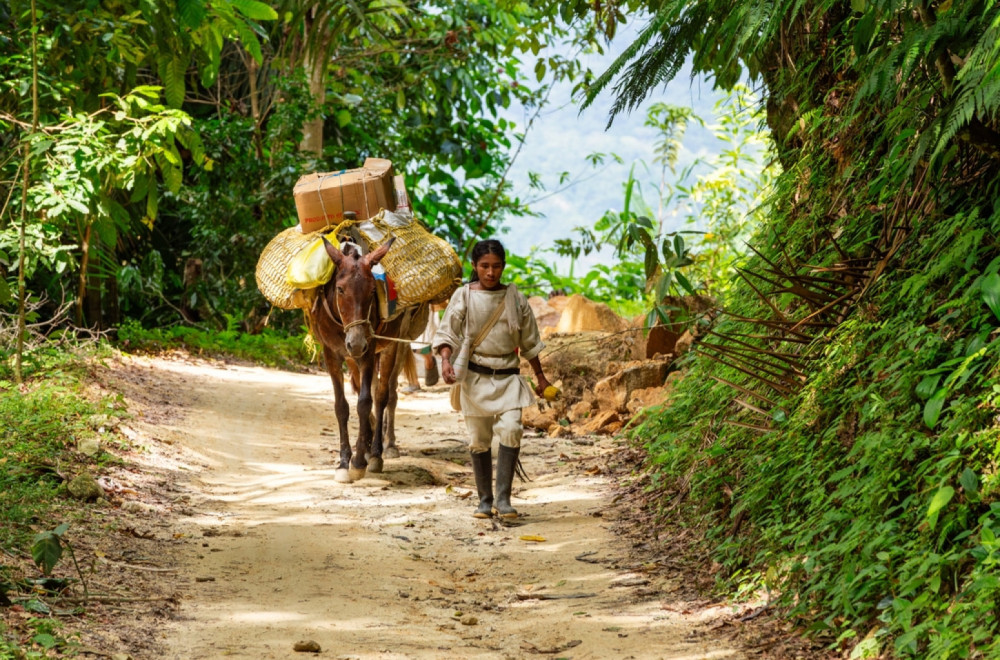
<point x="268" y="348"/>
<point x="41" y="425"/>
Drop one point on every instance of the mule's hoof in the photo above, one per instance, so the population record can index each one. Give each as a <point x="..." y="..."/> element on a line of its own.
<point x="375" y="464"/>
<point x="342" y="476"/>
<point x="356" y="474"/>
<point x="390" y="452"/>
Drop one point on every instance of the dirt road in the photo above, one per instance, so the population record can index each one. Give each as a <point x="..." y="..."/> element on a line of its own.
<point x="273" y="551"/>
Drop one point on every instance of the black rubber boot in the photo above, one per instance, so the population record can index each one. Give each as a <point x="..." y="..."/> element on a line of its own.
<point x="482" y="467"/>
<point x="506" y="464"/>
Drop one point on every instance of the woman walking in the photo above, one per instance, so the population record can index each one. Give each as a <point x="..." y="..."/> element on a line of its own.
<point x="493" y="392"/>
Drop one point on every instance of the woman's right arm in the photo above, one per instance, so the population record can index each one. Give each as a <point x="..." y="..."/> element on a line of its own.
<point x="449" y="334"/>
<point x="447" y="371"/>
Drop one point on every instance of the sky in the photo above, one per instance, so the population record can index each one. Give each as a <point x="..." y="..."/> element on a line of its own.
<point x="562" y="137"/>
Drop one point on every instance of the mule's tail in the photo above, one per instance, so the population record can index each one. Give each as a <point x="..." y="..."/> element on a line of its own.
<point x="410" y="366"/>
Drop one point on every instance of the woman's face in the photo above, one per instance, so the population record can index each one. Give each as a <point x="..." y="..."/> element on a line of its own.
<point x="489" y="268"/>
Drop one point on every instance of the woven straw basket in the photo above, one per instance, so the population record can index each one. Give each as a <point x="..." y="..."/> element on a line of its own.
<point x="424" y="267"/>
<point x="272" y="268"/>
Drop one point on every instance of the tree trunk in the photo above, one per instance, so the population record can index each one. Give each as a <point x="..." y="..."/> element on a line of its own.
<point x="94" y="309"/>
<point x="312" y="129"/>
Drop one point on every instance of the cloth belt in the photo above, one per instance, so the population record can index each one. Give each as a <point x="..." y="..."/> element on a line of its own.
<point x="479" y="369"/>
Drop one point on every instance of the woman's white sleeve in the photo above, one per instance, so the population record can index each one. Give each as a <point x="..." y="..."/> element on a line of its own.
<point x="451" y="329"/>
<point x="531" y="339"/>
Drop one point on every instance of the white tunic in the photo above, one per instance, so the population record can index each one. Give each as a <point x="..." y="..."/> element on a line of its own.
<point x="485" y="395"/>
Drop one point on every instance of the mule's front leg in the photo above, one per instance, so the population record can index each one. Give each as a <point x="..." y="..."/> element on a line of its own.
<point x="359" y="464"/>
<point x="335" y="366"/>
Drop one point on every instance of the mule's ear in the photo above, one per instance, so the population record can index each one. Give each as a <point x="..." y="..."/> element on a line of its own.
<point x="335" y="255"/>
<point x="374" y="257"/>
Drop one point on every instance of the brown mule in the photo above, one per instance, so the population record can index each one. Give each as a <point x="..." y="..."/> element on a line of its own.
<point x="345" y="319"/>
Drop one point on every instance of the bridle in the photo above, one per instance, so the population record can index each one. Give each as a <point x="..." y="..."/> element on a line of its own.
<point x="365" y="320"/>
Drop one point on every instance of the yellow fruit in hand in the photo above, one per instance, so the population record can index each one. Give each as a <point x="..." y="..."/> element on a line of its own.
<point x="550" y="393"/>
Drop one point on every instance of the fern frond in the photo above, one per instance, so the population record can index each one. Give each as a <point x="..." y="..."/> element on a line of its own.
<point x="651" y="30"/>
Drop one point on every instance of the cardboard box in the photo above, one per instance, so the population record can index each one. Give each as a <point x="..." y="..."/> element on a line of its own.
<point x="321" y="198"/>
<point x="402" y="197"/>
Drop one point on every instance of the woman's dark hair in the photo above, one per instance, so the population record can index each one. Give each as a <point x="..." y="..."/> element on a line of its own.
<point x="483" y="248"/>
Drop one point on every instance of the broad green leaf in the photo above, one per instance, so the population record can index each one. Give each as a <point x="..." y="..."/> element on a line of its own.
<point x="172" y="69"/>
<point x="35" y="605"/>
<point x="140" y="188"/>
<point x="628" y="193"/>
<point x="213" y="49"/>
<point x="343" y="117"/>
<point x="194" y="144"/>
<point x="864" y="32"/>
<point x="192" y="12"/>
<point x="683" y="281"/>
<point x="990" y="288"/>
<point x="928" y="386"/>
<point x="152" y="202"/>
<point x="172" y="178"/>
<point x="938" y="502"/>
<point x="39" y="147"/>
<point x="932" y="409"/>
<point x="400" y="99"/>
<point x="61" y="529"/>
<point x="650" y="263"/>
<point x="254" y="10"/>
<point x="45" y="640"/>
<point x="249" y="41"/>
<point x="46" y="551"/>
<point x="105" y="229"/>
<point x="969" y="481"/>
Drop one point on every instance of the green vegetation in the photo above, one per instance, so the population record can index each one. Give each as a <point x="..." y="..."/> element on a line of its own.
<point x="718" y="199"/>
<point x="150" y="149"/>
<point x="836" y="437"/>
<point x="268" y="348"/>
<point x="837" y="434"/>
<point x="41" y="424"/>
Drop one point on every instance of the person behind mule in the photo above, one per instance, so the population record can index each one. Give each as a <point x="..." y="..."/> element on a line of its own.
<point x="492" y="391"/>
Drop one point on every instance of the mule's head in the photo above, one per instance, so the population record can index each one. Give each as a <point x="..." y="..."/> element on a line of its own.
<point x="353" y="293"/>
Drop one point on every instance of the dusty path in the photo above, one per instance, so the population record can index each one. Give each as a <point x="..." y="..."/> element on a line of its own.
<point x="273" y="551"/>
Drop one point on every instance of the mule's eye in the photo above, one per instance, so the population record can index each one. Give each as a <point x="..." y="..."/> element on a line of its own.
<point x="340" y="290"/>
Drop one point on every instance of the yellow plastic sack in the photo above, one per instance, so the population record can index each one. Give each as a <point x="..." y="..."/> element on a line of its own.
<point x="312" y="267"/>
